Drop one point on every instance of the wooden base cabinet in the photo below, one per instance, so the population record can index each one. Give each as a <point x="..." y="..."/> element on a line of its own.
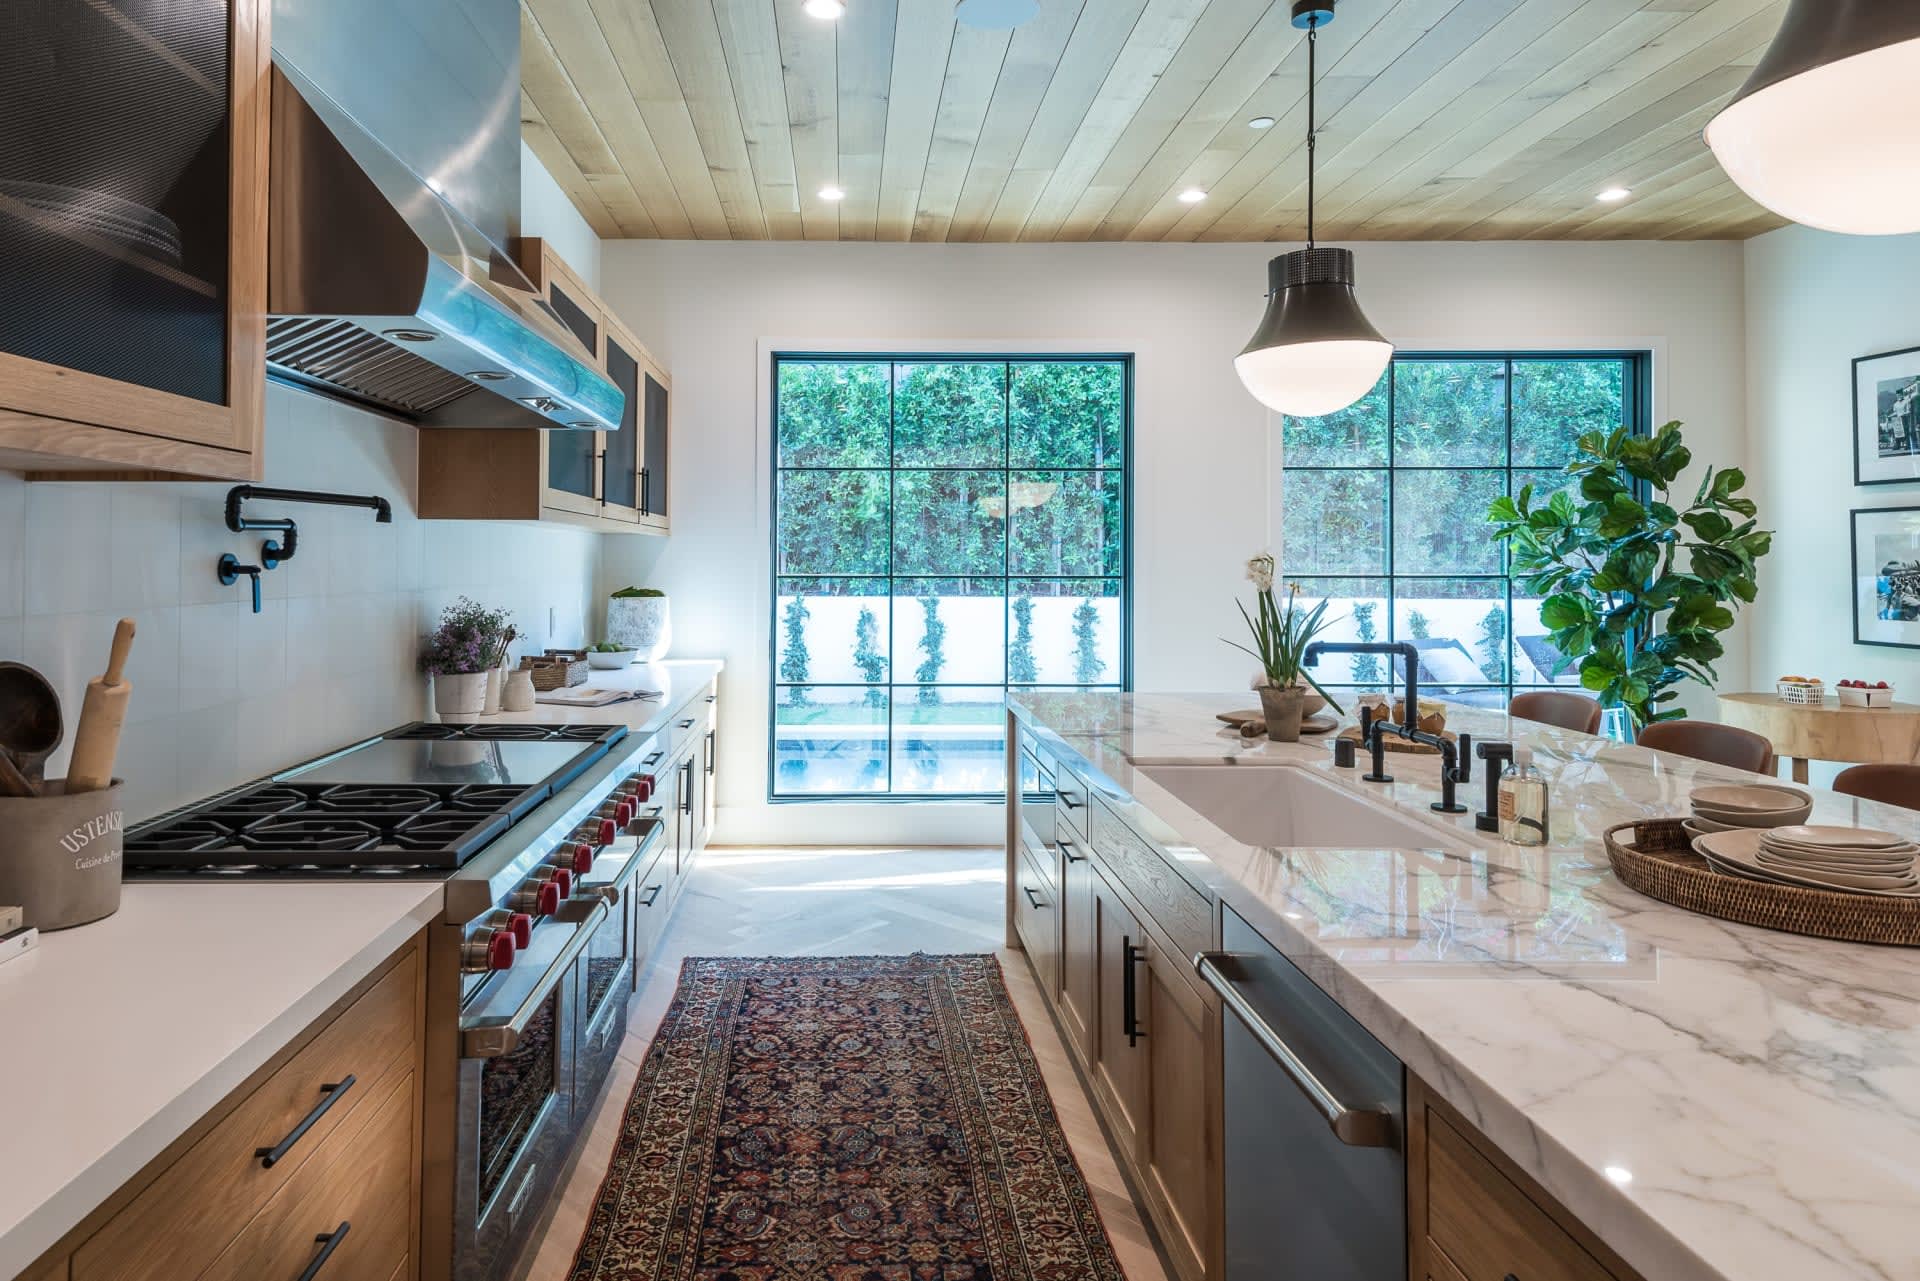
<point x="339" y="1113"/>
<point x="1474" y="1216"/>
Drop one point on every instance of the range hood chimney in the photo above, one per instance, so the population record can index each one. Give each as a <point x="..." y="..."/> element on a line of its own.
<point x="394" y="189"/>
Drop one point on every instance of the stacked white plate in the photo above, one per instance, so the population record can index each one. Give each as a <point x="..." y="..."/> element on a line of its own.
<point x="1856" y="860"/>
<point x="1732" y="806"/>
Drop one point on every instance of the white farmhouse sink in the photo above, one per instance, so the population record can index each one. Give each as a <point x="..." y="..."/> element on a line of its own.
<point x="1284" y="807"/>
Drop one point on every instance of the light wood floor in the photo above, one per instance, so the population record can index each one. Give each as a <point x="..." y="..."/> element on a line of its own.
<point x="813" y="902"/>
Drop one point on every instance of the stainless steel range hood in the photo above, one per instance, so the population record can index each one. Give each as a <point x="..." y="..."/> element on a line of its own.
<point x="379" y="289"/>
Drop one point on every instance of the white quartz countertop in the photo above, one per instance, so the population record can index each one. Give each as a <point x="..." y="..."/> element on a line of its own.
<point x="1717" y="1102"/>
<point x="119" y="1035"/>
<point x="675" y="679"/>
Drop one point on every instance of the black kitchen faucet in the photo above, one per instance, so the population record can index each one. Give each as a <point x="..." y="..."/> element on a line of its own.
<point x="1456" y="759"/>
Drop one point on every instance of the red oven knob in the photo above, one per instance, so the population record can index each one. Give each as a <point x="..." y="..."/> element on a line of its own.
<point x="623" y="814"/>
<point x="540" y="900"/>
<point x="520" y="926"/>
<point x="562" y="881"/>
<point x="642" y="788"/>
<point x="607" y="833"/>
<point x="500" y="950"/>
<point x="577" y="858"/>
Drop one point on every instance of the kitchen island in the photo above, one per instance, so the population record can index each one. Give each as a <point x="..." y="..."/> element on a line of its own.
<point x="1705" y="1101"/>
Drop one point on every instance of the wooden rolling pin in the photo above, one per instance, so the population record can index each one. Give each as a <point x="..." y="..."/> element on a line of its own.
<point x="97" y="740"/>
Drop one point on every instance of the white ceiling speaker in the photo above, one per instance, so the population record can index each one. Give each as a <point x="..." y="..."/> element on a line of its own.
<point x="995" y="15"/>
<point x="1826" y="130"/>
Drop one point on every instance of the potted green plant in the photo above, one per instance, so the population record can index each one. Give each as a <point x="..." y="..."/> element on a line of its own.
<point x="469" y="641"/>
<point x="638" y="618"/>
<point x="1632" y="588"/>
<point x="1281" y="634"/>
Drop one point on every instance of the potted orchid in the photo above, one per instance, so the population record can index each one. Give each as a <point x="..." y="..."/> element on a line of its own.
<point x="470" y="641"/>
<point x="1281" y="634"/>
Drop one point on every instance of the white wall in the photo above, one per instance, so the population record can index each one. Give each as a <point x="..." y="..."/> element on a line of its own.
<point x="1815" y="301"/>
<point x="546" y="211"/>
<point x="712" y="311"/>
<point x="222" y="695"/>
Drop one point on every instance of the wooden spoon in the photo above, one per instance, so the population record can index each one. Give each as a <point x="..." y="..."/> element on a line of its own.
<point x="30" y="724"/>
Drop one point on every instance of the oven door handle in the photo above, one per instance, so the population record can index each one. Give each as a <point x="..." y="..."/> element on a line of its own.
<point x="492" y="1040"/>
<point x="609" y="889"/>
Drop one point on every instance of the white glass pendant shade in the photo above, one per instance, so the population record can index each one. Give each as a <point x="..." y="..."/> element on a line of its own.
<point x="1315" y="351"/>
<point x="1826" y="131"/>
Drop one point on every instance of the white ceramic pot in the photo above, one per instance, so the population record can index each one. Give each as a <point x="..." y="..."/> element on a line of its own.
<point x="640" y="623"/>
<point x="518" y="695"/>
<point x="490" y="704"/>
<point x="610" y="660"/>
<point x="458" y="697"/>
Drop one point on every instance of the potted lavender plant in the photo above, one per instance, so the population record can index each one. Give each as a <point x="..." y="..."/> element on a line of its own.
<point x="459" y="653"/>
<point x="1280" y="637"/>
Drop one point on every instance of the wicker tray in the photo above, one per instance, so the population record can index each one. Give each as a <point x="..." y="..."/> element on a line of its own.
<point x="1655" y="857"/>
<point x="557" y="668"/>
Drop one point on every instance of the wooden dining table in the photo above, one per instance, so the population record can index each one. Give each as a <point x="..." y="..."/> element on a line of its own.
<point x="1826" y="731"/>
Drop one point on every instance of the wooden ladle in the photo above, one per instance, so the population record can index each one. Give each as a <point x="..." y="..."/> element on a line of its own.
<point x="30" y="724"/>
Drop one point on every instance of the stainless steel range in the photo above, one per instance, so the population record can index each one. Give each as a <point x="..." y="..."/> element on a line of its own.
<point x="549" y="847"/>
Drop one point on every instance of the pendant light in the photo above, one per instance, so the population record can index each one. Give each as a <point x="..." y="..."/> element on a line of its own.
<point x="1826" y="131"/>
<point x="1315" y="351"/>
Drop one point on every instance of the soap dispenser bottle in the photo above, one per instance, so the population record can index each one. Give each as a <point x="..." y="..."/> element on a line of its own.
<point x="1523" y="801"/>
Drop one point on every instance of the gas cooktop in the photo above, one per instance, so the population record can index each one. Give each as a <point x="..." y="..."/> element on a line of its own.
<point x="418" y="801"/>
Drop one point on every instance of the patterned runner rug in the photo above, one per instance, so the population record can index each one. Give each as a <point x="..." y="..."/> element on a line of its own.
<point x="842" y="1119"/>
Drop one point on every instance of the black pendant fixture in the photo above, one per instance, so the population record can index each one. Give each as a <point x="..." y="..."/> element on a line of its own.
<point x="1826" y="131"/>
<point x="1315" y="352"/>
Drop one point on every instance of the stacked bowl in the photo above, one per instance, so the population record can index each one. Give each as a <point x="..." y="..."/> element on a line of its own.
<point x="1854" y="860"/>
<point x="1733" y="806"/>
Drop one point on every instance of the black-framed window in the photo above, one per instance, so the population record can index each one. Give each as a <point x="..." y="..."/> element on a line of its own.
<point x="1384" y="508"/>
<point x="944" y="528"/>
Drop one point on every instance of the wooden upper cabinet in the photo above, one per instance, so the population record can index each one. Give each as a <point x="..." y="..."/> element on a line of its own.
<point x="612" y="481"/>
<point x="133" y="238"/>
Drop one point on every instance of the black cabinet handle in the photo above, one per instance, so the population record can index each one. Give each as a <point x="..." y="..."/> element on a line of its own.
<point x="1067" y="848"/>
<point x="1130" y="990"/>
<point x="653" y="892"/>
<point x="1032" y="897"/>
<point x="1066" y="799"/>
<point x="646" y="491"/>
<point x="686" y="788"/>
<point x="712" y="750"/>
<point x="686" y="724"/>
<point x="328" y="1243"/>
<point x="329" y="1095"/>
<point x="651" y="759"/>
<point x="601" y="458"/>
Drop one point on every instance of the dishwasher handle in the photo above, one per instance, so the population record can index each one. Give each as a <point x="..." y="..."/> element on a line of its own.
<point x="1355" y="1127"/>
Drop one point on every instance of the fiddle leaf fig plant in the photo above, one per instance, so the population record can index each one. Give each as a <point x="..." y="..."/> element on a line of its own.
<point x="1633" y="589"/>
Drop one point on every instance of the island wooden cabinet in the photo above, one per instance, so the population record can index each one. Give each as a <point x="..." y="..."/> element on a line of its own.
<point x="133" y="239"/>
<point x="611" y="481"/>
<point x="318" y="1153"/>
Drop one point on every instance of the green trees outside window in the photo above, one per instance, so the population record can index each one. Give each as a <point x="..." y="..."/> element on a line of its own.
<point x="1384" y="508"/>
<point x="944" y="528"/>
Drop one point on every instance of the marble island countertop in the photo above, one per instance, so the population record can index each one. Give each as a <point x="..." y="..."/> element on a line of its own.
<point x="1717" y="1102"/>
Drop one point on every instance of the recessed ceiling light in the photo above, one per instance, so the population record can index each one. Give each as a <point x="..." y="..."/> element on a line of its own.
<point x="1192" y="196"/>
<point x="825" y="9"/>
<point x="1614" y="195"/>
<point x="831" y="192"/>
<point x="994" y="15"/>
<point x="1260" y="122"/>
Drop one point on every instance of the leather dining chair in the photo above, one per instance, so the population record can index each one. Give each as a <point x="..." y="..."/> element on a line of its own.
<point x="1557" y="707"/>
<point x="1893" y="784"/>
<point x="1711" y="741"/>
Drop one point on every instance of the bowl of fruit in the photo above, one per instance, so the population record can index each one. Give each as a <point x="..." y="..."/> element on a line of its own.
<point x="1803" y="691"/>
<point x="1865" y="693"/>
<point x="607" y="655"/>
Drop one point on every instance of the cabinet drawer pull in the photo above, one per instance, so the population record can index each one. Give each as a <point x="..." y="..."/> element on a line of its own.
<point x="329" y="1095"/>
<point x="1356" y="1127"/>
<point x="1067" y="847"/>
<point x="653" y="892"/>
<point x="1066" y="799"/>
<point x="328" y="1243"/>
<point x="651" y="759"/>
<point x="1131" y="955"/>
<point x="1032" y="897"/>
<point x="686" y="724"/>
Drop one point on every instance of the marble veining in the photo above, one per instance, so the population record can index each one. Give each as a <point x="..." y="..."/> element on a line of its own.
<point x="1715" y="1101"/>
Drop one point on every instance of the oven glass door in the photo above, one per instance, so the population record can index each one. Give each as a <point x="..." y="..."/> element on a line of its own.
<point x="516" y="1090"/>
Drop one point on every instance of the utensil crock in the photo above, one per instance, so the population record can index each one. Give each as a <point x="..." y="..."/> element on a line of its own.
<point x="60" y="854"/>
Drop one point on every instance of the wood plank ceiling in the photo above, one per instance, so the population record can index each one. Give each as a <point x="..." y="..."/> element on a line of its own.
<point x="1440" y="119"/>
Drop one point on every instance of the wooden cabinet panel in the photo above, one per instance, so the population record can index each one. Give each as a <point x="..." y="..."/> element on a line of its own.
<point x="1119" y="1065"/>
<point x="175" y="1227"/>
<point x="1037" y="918"/>
<point x="1184" y="913"/>
<point x="1079" y="951"/>
<point x="1181" y="1149"/>
<point x="359" y="1187"/>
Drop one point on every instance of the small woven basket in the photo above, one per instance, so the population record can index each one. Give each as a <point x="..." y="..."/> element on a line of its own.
<point x="1801" y="693"/>
<point x="557" y="668"/>
<point x="1655" y="857"/>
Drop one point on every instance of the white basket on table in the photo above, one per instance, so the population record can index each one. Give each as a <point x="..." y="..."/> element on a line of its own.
<point x="1801" y="693"/>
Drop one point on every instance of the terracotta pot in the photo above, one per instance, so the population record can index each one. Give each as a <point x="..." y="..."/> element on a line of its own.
<point x="459" y="696"/>
<point x="1282" y="710"/>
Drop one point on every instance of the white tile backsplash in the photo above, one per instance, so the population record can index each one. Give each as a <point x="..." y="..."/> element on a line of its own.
<point x="222" y="695"/>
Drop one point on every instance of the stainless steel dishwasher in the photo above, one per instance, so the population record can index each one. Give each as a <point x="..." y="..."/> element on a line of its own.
<point x="1316" y="1176"/>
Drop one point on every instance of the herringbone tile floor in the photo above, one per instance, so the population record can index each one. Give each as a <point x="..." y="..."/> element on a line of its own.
<point x="837" y="902"/>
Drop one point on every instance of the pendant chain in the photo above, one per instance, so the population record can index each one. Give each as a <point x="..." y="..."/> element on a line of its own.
<point x="1313" y="31"/>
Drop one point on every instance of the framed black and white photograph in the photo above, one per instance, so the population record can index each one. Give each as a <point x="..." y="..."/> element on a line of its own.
<point x="1886" y="418"/>
<point x="1886" y="576"/>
